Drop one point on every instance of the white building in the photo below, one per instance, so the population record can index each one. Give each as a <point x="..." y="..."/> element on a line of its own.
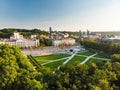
<point x="63" y="41"/>
<point x="18" y="40"/>
<point x="114" y="39"/>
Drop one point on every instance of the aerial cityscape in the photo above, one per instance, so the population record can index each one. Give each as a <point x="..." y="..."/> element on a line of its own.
<point x="59" y="45"/>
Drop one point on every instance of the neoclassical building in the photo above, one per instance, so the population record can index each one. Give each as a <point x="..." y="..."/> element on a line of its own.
<point x="18" y="40"/>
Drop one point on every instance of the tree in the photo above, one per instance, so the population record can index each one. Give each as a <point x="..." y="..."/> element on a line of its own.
<point x="47" y="42"/>
<point x="16" y="72"/>
<point x="70" y="77"/>
<point x="116" y="57"/>
<point x="110" y="48"/>
<point x="116" y="70"/>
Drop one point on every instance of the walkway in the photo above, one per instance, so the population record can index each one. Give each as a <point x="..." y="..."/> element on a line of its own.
<point x="94" y="57"/>
<point x="88" y="58"/>
<point x="82" y="55"/>
<point x="68" y="59"/>
<point x="54" y="60"/>
<point x="100" y="58"/>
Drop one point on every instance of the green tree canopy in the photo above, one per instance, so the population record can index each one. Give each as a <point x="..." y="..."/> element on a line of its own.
<point x="16" y="72"/>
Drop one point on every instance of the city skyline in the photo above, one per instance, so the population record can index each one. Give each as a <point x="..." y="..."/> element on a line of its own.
<point x="64" y="15"/>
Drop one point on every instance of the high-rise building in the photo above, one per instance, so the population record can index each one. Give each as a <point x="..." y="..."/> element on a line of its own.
<point x="50" y="30"/>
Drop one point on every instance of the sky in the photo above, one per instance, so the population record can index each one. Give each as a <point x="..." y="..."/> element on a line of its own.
<point x="64" y="15"/>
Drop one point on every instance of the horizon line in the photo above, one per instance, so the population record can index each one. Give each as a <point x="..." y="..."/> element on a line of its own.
<point x="66" y="30"/>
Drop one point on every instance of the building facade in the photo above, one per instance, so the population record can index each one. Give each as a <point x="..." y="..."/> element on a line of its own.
<point x="18" y="40"/>
<point x="63" y="41"/>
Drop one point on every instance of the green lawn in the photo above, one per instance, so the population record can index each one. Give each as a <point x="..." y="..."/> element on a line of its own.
<point x="102" y="55"/>
<point x="54" y="65"/>
<point x="89" y="62"/>
<point x="42" y="61"/>
<point x="46" y="58"/>
<point x="76" y="59"/>
<point x="86" y="53"/>
<point x="99" y="55"/>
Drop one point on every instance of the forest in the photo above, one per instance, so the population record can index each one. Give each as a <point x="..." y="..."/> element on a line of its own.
<point x="7" y="32"/>
<point x="18" y="73"/>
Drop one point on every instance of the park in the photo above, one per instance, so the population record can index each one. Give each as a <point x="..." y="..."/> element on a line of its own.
<point x="54" y="61"/>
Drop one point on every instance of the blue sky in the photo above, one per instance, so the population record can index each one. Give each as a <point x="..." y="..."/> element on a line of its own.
<point x="72" y="15"/>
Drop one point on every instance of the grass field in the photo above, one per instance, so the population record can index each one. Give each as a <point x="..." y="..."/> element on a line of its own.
<point x="54" y="65"/>
<point x="46" y="58"/>
<point x="89" y="62"/>
<point x="53" y="61"/>
<point x="102" y="55"/>
<point x="86" y="53"/>
<point x="76" y="59"/>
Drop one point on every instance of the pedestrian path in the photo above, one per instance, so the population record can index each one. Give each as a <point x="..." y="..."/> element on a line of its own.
<point x="94" y="57"/>
<point x="68" y="59"/>
<point x="82" y="55"/>
<point x="88" y="58"/>
<point x="54" y="60"/>
<point x="100" y="58"/>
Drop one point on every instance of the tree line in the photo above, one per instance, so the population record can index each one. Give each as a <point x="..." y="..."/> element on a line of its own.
<point x="7" y="32"/>
<point x="110" y="48"/>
